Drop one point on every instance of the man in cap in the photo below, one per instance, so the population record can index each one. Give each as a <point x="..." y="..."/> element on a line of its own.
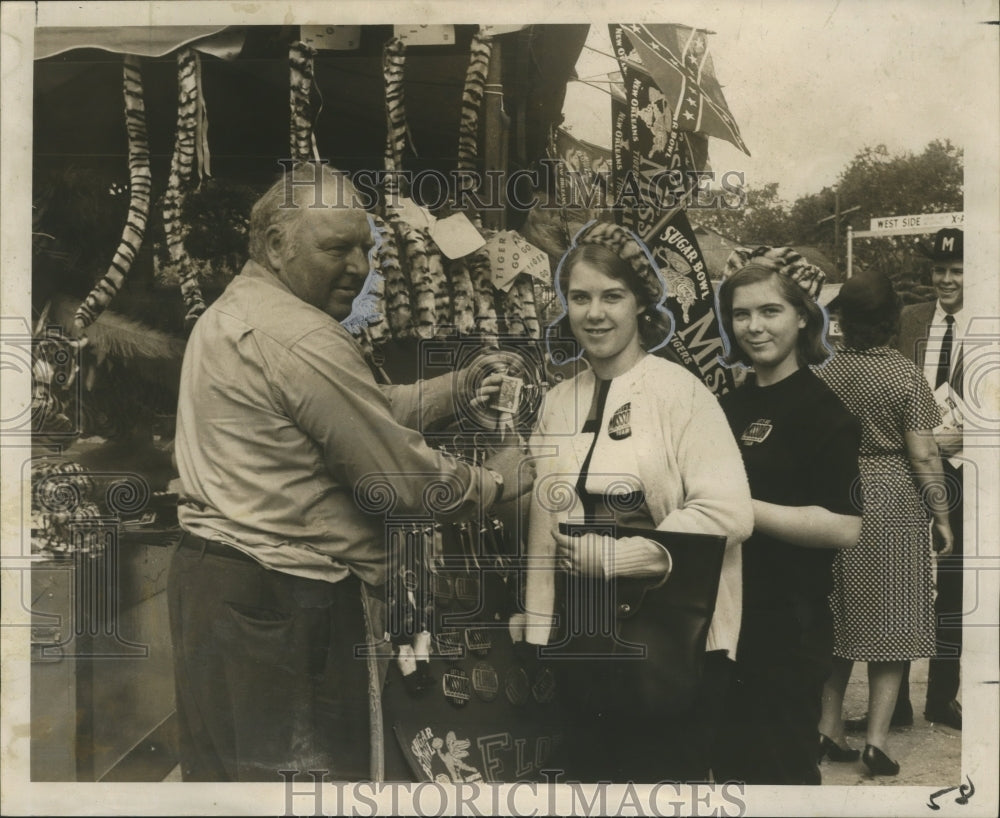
<point x="288" y="453"/>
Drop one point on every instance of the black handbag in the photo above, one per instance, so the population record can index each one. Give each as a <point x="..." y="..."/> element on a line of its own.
<point x="638" y="645"/>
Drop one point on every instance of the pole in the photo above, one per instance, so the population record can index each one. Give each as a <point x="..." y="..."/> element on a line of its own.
<point x="836" y="229"/>
<point x="850" y="249"/>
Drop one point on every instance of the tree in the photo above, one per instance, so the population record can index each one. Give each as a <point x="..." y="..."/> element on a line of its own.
<point x="879" y="184"/>
<point x="763" y="219"/>
<point x="884" y="185"/>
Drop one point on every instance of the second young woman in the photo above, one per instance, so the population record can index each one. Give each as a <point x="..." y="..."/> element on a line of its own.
<point x="800" y="448"/>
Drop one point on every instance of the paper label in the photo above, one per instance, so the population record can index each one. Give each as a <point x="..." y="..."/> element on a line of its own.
<point x="414" y="215"/>
<point x="425" y="35"/>
<point x="331" y="38"/>
<point x="510" y="255"/>
<point x="456" y="236"/>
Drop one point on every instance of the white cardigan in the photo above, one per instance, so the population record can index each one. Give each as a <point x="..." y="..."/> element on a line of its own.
<point x="689" y="466"/>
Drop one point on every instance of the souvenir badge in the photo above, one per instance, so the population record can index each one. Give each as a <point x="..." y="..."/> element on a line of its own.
<point x="516" y="686"/>
<point x="443" y="590"/>
<point x="466" y="590"/>
<point x="456" y="686"/>
<point x="485" y="681"/>
<point x="448" y="644"/>
<point x="620" y="425"/>
<point x="544" y="688"/>
<point x="756" y="432"/>
<point x="478" y="641"/>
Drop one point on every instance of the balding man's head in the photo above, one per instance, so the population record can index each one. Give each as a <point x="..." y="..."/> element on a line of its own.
<point x="307" y="231"/>
<point x="306" y="185"/>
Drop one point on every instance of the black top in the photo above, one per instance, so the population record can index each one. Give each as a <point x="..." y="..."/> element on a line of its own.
<point x="800" y="448"/>
<point x="602" y="508"/>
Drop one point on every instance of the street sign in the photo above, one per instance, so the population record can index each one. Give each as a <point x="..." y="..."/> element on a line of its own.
<point x="920" y="223"/>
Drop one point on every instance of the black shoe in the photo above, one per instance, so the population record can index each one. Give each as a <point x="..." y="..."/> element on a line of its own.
<point x="877" y="762"/>
<point x="901" y="717"/>
<point x="950" y="715"/>
<point x="828" y="747"/>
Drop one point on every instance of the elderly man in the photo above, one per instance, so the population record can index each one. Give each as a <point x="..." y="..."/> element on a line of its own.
<point x="282" y="432"/>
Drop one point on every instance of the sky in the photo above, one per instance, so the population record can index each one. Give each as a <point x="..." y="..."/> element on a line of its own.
<point x="812" y="82"/>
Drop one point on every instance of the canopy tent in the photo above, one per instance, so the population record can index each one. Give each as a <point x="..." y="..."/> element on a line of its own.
<point x="78" y="107"/>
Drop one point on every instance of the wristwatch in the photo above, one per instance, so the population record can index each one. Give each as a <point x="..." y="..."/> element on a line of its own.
<point x="499" y="481"/>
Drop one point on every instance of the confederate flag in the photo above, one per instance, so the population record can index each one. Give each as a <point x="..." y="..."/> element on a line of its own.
<point x="677" y="59"/>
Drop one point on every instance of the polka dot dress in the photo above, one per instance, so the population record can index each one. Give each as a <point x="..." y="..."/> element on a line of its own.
<point x="882" y="598"/>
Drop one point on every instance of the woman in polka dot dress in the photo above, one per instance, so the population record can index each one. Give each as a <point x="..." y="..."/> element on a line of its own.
<point x="882" y="599"/>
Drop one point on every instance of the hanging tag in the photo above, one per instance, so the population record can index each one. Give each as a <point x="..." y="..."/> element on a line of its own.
<point x="425" y="34"/>
<point x="407" y="661"/>
<point x="331" y="38"/>
<point x="510" y="255"/>
<point x="456" y="236"/>
<point x="413" y="214"/>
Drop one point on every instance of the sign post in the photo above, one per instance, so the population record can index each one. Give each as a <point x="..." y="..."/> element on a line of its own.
<point x="902" y="226"/>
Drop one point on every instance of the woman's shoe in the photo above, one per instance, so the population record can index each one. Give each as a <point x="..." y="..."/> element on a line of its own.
<point x="877" y="762"/>
<point x="828" y="747"/>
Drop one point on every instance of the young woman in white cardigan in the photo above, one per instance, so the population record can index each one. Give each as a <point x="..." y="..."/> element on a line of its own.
<point x="639" y="441"/>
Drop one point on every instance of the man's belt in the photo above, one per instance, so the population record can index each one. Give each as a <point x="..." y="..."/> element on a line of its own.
<point x="216" y="549"/>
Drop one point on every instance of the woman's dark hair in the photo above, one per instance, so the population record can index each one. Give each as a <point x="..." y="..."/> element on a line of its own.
<point x="864" y="329"/>
<point x="654" y="324"/>
<point x="811" y="348"/>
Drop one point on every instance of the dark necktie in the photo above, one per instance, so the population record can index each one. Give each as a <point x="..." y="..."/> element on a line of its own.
<point x="944" y="362"/>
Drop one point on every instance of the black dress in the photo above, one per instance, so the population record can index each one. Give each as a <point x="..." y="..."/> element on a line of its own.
<point x="800" y="448"/>
<point x="609" y="744"/>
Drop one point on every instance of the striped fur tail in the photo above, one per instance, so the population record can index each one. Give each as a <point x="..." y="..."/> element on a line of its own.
<point x="140" y="181"/>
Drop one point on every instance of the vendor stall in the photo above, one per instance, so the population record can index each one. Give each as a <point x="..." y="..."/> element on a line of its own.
<point x="148" y="157"/>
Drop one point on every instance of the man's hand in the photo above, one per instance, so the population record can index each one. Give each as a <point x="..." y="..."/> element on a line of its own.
<point x="517" y="471"/>
<point x="487" y="391"/>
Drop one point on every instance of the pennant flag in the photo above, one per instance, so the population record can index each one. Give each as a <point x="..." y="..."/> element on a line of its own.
<point x="646" y="142"/>
<point x="653" y="160"/>
<point x="583" y="172"/>
<point x="677" y="59"/>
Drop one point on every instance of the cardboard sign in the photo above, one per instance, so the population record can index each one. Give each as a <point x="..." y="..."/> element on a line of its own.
<point x="510" y="255"/>
<point x="425" y="35"/>
<point x="331" y="38"/>
<point x="456" y="236"/>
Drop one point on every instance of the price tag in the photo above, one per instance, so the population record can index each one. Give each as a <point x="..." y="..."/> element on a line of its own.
<point x="456" y="236"/>
<point x="331" y="38"/>
<point x="425" y="35"/>
<point x="510" y="255"/>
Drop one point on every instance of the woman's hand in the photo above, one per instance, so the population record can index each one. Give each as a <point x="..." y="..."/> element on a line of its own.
<point x="581" y="554"/>
<point x="600" y="555"/>
<point x="942" y="539"/>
